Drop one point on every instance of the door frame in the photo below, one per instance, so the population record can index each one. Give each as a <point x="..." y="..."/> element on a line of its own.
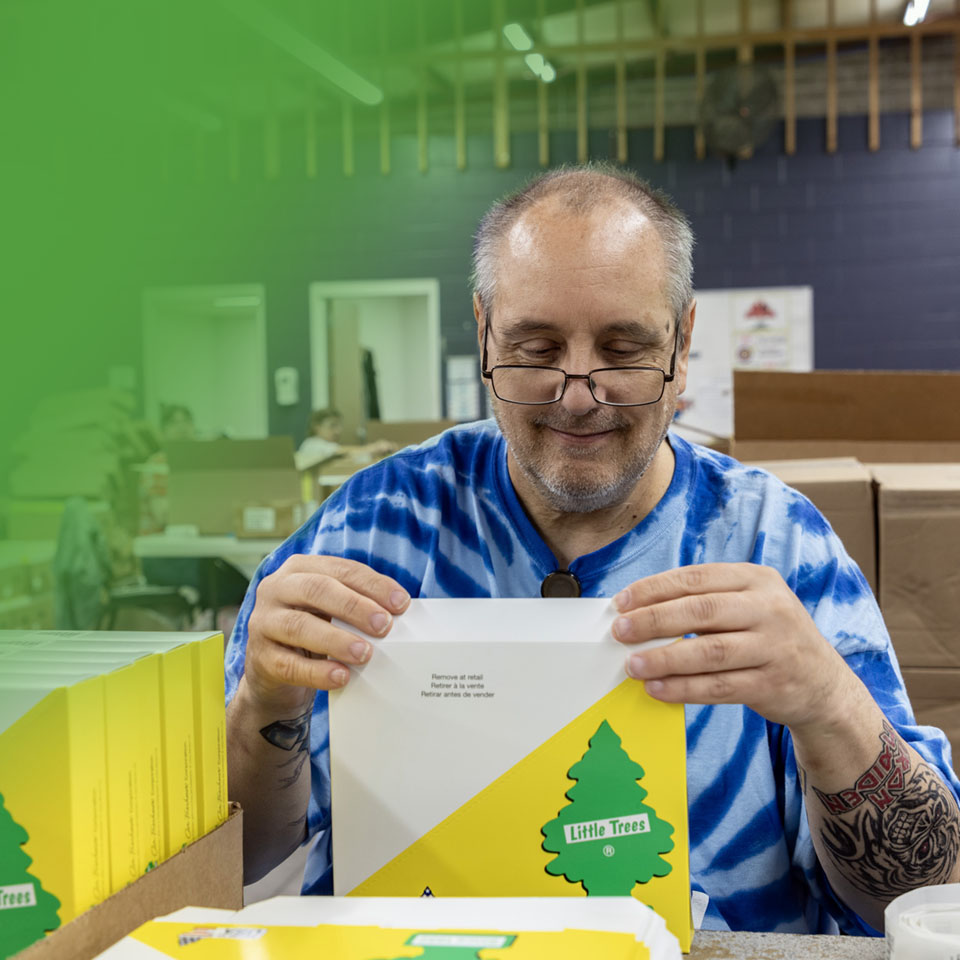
<point x="322" y="292"/>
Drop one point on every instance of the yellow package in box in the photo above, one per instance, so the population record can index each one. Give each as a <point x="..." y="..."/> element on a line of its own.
<point x="53" y="786"/>
<point x="134" y="790"/>
<point x="178" y="730"/>
<point x="242" y="941"/>
<point x="211" y="725"/>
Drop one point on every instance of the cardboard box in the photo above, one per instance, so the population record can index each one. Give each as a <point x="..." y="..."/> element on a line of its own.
<point x="273" y="519"/>
<point x="935" y="695"/>
<point x="210" y="480"/>
<point x="207" y="873"/>
<point x="842" y="490"/>
<point x="875" y="416"/>
<point x="406" y="432"/>
<point x="918" y="510"/>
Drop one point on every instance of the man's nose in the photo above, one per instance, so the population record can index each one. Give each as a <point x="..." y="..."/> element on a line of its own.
<point x="577" y="398"/>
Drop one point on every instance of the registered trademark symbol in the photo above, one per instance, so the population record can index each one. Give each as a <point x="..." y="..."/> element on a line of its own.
<point x="608" y="850"/>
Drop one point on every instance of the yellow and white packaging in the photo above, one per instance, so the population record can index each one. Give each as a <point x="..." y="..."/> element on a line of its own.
<point x="496" y="748"/>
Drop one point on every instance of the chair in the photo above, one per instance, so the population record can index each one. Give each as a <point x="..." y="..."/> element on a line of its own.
<point x="86" y="594"/>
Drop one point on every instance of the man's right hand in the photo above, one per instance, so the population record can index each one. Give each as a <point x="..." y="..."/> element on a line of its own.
<point x="292" y="647"/>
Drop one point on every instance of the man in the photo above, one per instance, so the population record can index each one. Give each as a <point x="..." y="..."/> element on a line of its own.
<point x="814" y="797"/>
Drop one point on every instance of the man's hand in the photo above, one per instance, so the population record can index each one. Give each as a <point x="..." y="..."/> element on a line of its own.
<point x="755" y="643"/>
<point x="292" y="647"/>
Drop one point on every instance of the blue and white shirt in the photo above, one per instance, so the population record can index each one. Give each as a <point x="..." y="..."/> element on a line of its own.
<point x="444" y="520"/>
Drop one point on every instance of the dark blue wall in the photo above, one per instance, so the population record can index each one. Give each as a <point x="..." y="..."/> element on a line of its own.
<point x="877" y="235"/>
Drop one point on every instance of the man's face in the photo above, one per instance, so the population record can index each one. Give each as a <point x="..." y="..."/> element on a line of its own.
<point x="581" y="291"/>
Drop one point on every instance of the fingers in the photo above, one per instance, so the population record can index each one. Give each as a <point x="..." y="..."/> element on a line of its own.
<point x="358" y="576"/>
<point x="291" y="641"/>
<point x="276" y="665"/>
<point x="695" y="613"/>
<point x="696" y="579"/>
<point x="732" y="686"/>
<point x="323" y="596"/>
<point x="713" y="653"/>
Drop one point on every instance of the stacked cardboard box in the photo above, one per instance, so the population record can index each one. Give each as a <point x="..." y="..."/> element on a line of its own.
<point x="905" y="426"/>
<point x="918" y="512"/>
<point x="112" y="759"/>
<point x="875" y="416"/>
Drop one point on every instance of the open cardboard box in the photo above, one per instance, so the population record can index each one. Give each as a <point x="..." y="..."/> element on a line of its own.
<point x="875" y="416"/>
<point x="211" y="479"/>
<point x="208" y="873"/>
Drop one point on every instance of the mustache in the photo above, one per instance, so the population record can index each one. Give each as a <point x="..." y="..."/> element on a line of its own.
<point x="593" y="422"/>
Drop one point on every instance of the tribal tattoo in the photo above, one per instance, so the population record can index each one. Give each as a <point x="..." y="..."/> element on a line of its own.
<point x="291" y="735"/>
<point x="892" y="831"/>
<point x="881" y="784"/>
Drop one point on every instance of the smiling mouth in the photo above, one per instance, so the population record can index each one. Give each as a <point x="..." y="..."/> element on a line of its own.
<point x="580" y="437"/>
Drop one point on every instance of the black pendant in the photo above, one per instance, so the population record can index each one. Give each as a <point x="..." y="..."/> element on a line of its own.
<point x="560" y="583"/>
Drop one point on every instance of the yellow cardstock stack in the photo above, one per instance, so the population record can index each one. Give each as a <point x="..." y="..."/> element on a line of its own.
<point x="109" y="744"/>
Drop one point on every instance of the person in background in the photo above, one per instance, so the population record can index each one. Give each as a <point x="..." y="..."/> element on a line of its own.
<point x="176" y="423"/>
<point x="325" y="429"/>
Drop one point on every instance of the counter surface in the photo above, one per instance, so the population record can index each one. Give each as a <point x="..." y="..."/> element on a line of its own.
<point x="713" y="945"/>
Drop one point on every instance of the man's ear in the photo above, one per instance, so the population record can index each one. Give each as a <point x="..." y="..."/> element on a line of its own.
<point x="683" y="355"/>
<point x="480" y="316"/>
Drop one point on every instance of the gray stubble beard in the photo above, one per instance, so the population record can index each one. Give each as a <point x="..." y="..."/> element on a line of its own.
<point x="570" y="497"/>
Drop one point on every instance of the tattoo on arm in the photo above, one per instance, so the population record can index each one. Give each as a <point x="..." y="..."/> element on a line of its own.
<point x="893" y="830"/>
<point x="291" y="735"/>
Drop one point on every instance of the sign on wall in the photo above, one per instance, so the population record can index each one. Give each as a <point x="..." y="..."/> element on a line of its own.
<point x="761" y="328"/>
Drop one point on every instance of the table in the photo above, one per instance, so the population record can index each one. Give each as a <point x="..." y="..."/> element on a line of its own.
<point x="245" y="555"/>
<point x="713" y="945"/>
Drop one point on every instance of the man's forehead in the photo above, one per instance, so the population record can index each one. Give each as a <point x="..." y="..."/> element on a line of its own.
<point x="611" y="225"/>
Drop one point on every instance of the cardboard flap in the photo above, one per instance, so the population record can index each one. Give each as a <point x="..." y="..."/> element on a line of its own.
<point x="846" y="405"/>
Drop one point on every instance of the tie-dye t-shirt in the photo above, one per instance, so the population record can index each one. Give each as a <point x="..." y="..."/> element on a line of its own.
<point x="443" y="519"/>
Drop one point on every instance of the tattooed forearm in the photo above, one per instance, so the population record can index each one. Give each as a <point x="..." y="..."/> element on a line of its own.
<point x="291" y="735"/>
<point x="296" y="762"/>
<point x="881" y="784"/>
<point x="894" y="829"/>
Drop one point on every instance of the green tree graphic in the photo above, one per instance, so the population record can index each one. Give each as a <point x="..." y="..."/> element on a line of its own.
<point x="461" y="951"/>
<point x="605" y="860"/>
<point x="21" y="925"/>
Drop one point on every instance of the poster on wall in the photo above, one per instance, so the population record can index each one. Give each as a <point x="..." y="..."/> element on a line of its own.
<point x="761" y="328"/>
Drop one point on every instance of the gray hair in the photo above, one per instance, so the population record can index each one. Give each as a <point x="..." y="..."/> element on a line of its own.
<point x="581" y="189"/>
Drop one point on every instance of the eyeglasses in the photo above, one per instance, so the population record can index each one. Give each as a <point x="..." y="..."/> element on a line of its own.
<point x="615" y="386"/>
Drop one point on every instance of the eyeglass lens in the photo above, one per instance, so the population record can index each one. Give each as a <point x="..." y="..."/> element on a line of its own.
<point x="545" y="385"/>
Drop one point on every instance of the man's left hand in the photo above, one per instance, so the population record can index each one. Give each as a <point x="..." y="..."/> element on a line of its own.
<point x="755" y="643"/>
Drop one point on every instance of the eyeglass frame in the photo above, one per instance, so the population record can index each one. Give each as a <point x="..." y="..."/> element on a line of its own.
<point x="588" y="376"/>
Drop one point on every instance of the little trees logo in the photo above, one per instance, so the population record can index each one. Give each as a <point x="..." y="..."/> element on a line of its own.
<point x="457" y="946"/>
<point x="607" y="838"/>
<point x="27" y="911"/>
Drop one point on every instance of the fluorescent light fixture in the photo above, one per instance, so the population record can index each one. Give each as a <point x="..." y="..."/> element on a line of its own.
<point x="916" y="12"/>
<point x="288" y="38"/>
<point x="518" y="37"/>
<point x="540" y="67"/>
